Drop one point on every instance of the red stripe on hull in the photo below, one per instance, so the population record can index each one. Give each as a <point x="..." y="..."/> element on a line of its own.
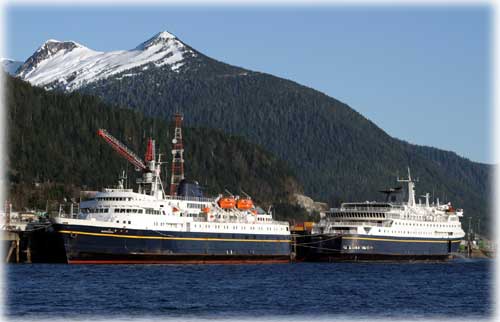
<point x="194" y="261"/>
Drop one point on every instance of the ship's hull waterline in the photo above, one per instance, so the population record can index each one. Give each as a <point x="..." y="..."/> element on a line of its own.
<point x="354" y="247"/>
<point x="101" y="245"/>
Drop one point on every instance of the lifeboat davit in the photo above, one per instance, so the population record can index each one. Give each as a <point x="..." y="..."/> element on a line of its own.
<point x="227" y="203"/>
<point x="244" y="204"/>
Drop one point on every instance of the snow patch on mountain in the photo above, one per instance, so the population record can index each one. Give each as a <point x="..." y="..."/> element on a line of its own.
<point x="69" y="65"/>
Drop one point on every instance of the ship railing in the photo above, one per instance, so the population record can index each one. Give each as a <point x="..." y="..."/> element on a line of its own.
<point x="370" y="216"/>
<point x="358" y="223"/>
<point x="190" y="198"/>
<point x="363" y="209"/>
<point x="427" y="218"/>
<point x="368" y="207"/>
<point x="117" y="190"/>
<point x="239" y="220"/>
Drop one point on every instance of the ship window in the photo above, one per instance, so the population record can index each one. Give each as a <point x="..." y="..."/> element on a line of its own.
<point x="124" y="221"/>
<point x="129" y="221"/>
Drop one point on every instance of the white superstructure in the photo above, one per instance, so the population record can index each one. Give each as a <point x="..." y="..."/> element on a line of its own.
<point x="408" y="219"/>
<point x="151" y="209"/>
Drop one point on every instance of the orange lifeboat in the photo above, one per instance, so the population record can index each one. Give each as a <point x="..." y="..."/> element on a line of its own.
<point x="244" y="204"/>
<point x="227" y="203"/>
<point x="205" y="210"/>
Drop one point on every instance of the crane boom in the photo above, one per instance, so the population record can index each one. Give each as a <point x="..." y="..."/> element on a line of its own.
<point x="122" y="149"/>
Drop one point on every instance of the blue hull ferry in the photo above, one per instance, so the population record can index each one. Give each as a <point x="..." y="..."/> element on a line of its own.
<point x="389" y="230"/>
<point x="105" y="245"/>
<point x="119" y="225"/>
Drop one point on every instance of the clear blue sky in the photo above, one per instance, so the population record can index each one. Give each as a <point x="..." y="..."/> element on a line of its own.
<point x="420" y="73"/>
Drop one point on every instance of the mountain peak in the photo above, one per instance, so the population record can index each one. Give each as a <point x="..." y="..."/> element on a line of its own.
<point x="53" y="45"/>
<point x="69" y="65"/>
<point x="165" y="35"/>
<point x="161" y="38"/>
<point x="48" y="50"/>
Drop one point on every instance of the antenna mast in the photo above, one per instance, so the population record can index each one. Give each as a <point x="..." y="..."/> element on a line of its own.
<point x="177" y="173"/>
<point x="411" y="189"/>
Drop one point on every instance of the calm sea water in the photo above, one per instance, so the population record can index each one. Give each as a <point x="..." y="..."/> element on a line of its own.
<point x="456" y="289"/>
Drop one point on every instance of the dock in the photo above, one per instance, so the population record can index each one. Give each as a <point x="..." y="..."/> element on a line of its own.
<point x="27" y="238"/>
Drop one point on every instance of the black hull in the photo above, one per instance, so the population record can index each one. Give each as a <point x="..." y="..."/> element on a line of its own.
<point x="100" y="245"/>
<point x="354" y="247"/>
<point x="47" y="247"/>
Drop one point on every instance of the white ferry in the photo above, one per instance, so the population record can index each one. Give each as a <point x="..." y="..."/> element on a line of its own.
<point x="119" y="225"/>
<point x="388" y="230"/>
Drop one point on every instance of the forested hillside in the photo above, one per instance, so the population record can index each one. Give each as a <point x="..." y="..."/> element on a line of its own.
<point x="54" y="150"/>
<point x="337" y="153"/>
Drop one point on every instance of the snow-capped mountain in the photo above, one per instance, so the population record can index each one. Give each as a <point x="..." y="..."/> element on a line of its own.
<point x="68" y="65"/>
<point x="9" y="65"/>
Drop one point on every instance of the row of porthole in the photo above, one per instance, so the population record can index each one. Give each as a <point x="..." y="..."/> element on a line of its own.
<point x="408" y="232"/>
<point x="425" y="225"/>
<point x="166" y="224"/>
<point x="358" y="215"/>
<point x="236" y="227"/>
<point x="116" y="198"/>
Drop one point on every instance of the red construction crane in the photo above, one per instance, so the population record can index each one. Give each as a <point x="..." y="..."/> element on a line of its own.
<point x="123" y="150"/>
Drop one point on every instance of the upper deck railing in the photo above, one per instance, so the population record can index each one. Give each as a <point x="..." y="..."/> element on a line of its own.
<point x="372" y="207"/>
<point x="189" y="198"/>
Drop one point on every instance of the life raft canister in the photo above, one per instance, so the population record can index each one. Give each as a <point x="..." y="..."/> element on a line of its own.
<point x="227" y="203"/>
<point x="244" y="204"/>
